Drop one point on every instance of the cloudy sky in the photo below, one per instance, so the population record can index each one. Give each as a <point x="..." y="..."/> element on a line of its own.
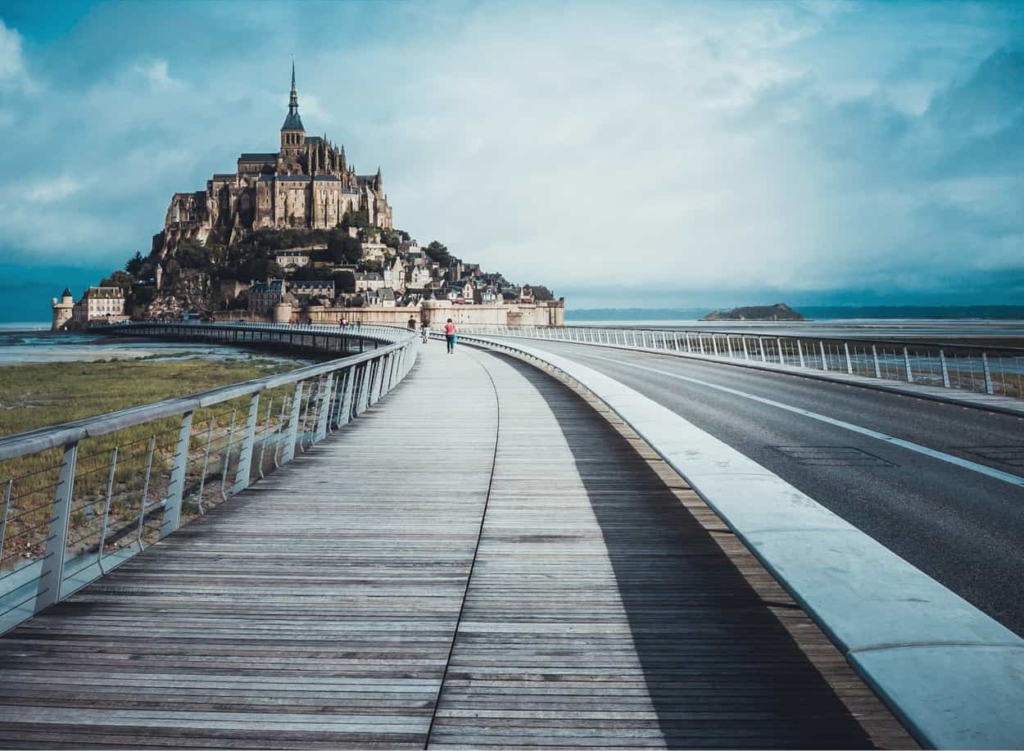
<point x="640" y="154"/>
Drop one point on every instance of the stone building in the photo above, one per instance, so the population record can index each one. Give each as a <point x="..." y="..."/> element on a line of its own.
<point x="62" y="310"/>
<point x="307" y="184"/>
<point x="263" y="296"/>
<point x="96" y="304"/>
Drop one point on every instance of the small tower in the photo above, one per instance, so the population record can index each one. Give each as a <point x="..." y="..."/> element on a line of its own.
<point x="293" y="135"/>
<point x="62" y="310"/>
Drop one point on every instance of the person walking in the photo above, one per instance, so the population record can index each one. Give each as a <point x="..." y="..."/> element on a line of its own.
<point x="412" y="323"/>
<point x="449" y="335"/>
<point x="425" y="331"/>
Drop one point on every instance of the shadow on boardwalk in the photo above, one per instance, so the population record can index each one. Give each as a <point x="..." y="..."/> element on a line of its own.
<point x="720" y="667"/>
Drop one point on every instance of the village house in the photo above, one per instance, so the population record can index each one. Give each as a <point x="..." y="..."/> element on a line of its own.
<point x="491" y="296"/>
<point x="96" y="304"/>
<point x="375" y="251"/>
<point x="417" y="276"/>
<point x="313" y="289"/>
<point x="369" y="280"/>
<point x="289" y="260"/>
<point x="263" y="296"/>
<point x="394" y="274"/>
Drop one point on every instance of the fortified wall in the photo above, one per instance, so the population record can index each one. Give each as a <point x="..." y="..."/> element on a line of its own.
<point x="433" y="312"/>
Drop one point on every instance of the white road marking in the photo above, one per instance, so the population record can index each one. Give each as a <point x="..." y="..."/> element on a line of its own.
<point x="908" y="445"/>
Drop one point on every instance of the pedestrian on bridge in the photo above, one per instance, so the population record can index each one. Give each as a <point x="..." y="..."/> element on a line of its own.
<point x="449" y="335"/>
<point x="425" y="331"/>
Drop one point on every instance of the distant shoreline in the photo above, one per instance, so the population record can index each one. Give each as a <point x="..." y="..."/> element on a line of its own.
<point x="817" y="313"/>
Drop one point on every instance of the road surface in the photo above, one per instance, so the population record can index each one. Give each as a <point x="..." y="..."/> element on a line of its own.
<point x="940" y="485"/>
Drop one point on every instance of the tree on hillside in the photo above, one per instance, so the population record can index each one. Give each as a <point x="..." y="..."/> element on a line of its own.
<point x="135" y="264"/>
<point x="305" y="274"/>
<point x="257" y="269"/>
<point x="119" y="279"/>
<point x="542" y="293"/>
<point x="344" y="281"/>
<point x="191" y="255"/>
<point x="340" y="249"/>
<point x="439" y="253"/>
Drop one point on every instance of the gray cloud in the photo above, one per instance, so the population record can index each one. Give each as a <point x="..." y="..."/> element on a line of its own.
<point x="656" y="150"/>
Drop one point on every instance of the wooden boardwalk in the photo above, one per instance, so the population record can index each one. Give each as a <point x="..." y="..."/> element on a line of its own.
<point x="362" y="597"/>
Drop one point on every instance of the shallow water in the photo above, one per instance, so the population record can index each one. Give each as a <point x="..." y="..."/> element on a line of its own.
<point x="22" y="347"/>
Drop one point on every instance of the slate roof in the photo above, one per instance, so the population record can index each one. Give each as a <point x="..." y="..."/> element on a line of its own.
<point x="327" y="179"/>
<point x="293" y="121"/>
<point x="261" y="158"/>
<point x="314" y="140"/>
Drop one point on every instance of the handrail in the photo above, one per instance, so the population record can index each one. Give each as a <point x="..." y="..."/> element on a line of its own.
<point x="994" y="371"/>
<point x="811" y="337"/>
<point x="60" y="520"/>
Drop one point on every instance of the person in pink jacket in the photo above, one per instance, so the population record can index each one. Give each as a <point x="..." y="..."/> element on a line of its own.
<point x="449" y="335"/>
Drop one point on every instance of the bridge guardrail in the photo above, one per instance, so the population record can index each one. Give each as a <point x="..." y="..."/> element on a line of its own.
<point x="952" y="674"/>
<point x="91" y="494"/>
<point x="983" y="370"/>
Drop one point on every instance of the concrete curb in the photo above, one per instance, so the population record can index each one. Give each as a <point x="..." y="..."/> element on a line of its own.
<point x="952" y="674"/>
<point x="1011" y="407"/>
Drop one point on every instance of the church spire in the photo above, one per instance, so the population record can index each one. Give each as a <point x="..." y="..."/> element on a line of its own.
<point x="293" y="121"/>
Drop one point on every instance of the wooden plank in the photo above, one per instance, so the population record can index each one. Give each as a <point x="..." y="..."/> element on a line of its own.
<point x="602" y="609"/>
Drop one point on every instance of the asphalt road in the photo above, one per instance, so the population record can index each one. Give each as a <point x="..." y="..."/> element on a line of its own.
<point x="963" y="527"/>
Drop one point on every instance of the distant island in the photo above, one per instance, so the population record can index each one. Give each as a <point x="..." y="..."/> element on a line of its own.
<point x="777" y="312"/>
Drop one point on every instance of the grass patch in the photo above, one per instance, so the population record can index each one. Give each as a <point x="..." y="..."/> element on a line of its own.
<point x="38" y="395"/>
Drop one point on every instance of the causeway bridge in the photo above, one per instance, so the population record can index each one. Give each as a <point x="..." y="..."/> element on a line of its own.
<point x="530" y="543"/>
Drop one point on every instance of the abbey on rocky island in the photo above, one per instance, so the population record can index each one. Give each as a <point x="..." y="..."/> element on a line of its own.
<point x="308" y="184"/>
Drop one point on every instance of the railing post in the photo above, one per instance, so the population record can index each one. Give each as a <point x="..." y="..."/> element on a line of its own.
<point x="945" y="368"/>
<point x="782" y="359"/>
<point x="291" y="434"/>
<point x="746" y="354"/>
<point x="7" y="510"/>
<point x="989" y="386"/>
<point x="243" y="470"/>
<point x="378" y="373"/>
<point x="171" y="519"/>
<point x="326" y="401"/>
<point x="906" y="362"/>
<point x="800" y="351"/>
<point x="689" y="348"/>
<point x="345" y="412"/>
<point x="874" y="355"/>
<point x="824" y="359"/>
<point x="714" y="343"/>
<point x="364" y="389"/>
<point x="849" y="362"/>
<point x="57" y="540"/>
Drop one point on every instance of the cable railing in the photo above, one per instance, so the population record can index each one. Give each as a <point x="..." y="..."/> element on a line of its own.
<point x="81" y="498"/>
<point x="983" y="370"/>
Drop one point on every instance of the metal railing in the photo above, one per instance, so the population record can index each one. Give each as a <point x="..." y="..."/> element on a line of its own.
<point x="81" y="498"/>
<point x="983" y="370"/>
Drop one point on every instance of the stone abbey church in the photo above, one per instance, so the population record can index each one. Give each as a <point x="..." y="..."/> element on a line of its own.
<point x="307" y="184"/>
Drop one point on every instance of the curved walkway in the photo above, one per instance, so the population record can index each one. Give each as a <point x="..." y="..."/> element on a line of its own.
<point x="361" y="596"/>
